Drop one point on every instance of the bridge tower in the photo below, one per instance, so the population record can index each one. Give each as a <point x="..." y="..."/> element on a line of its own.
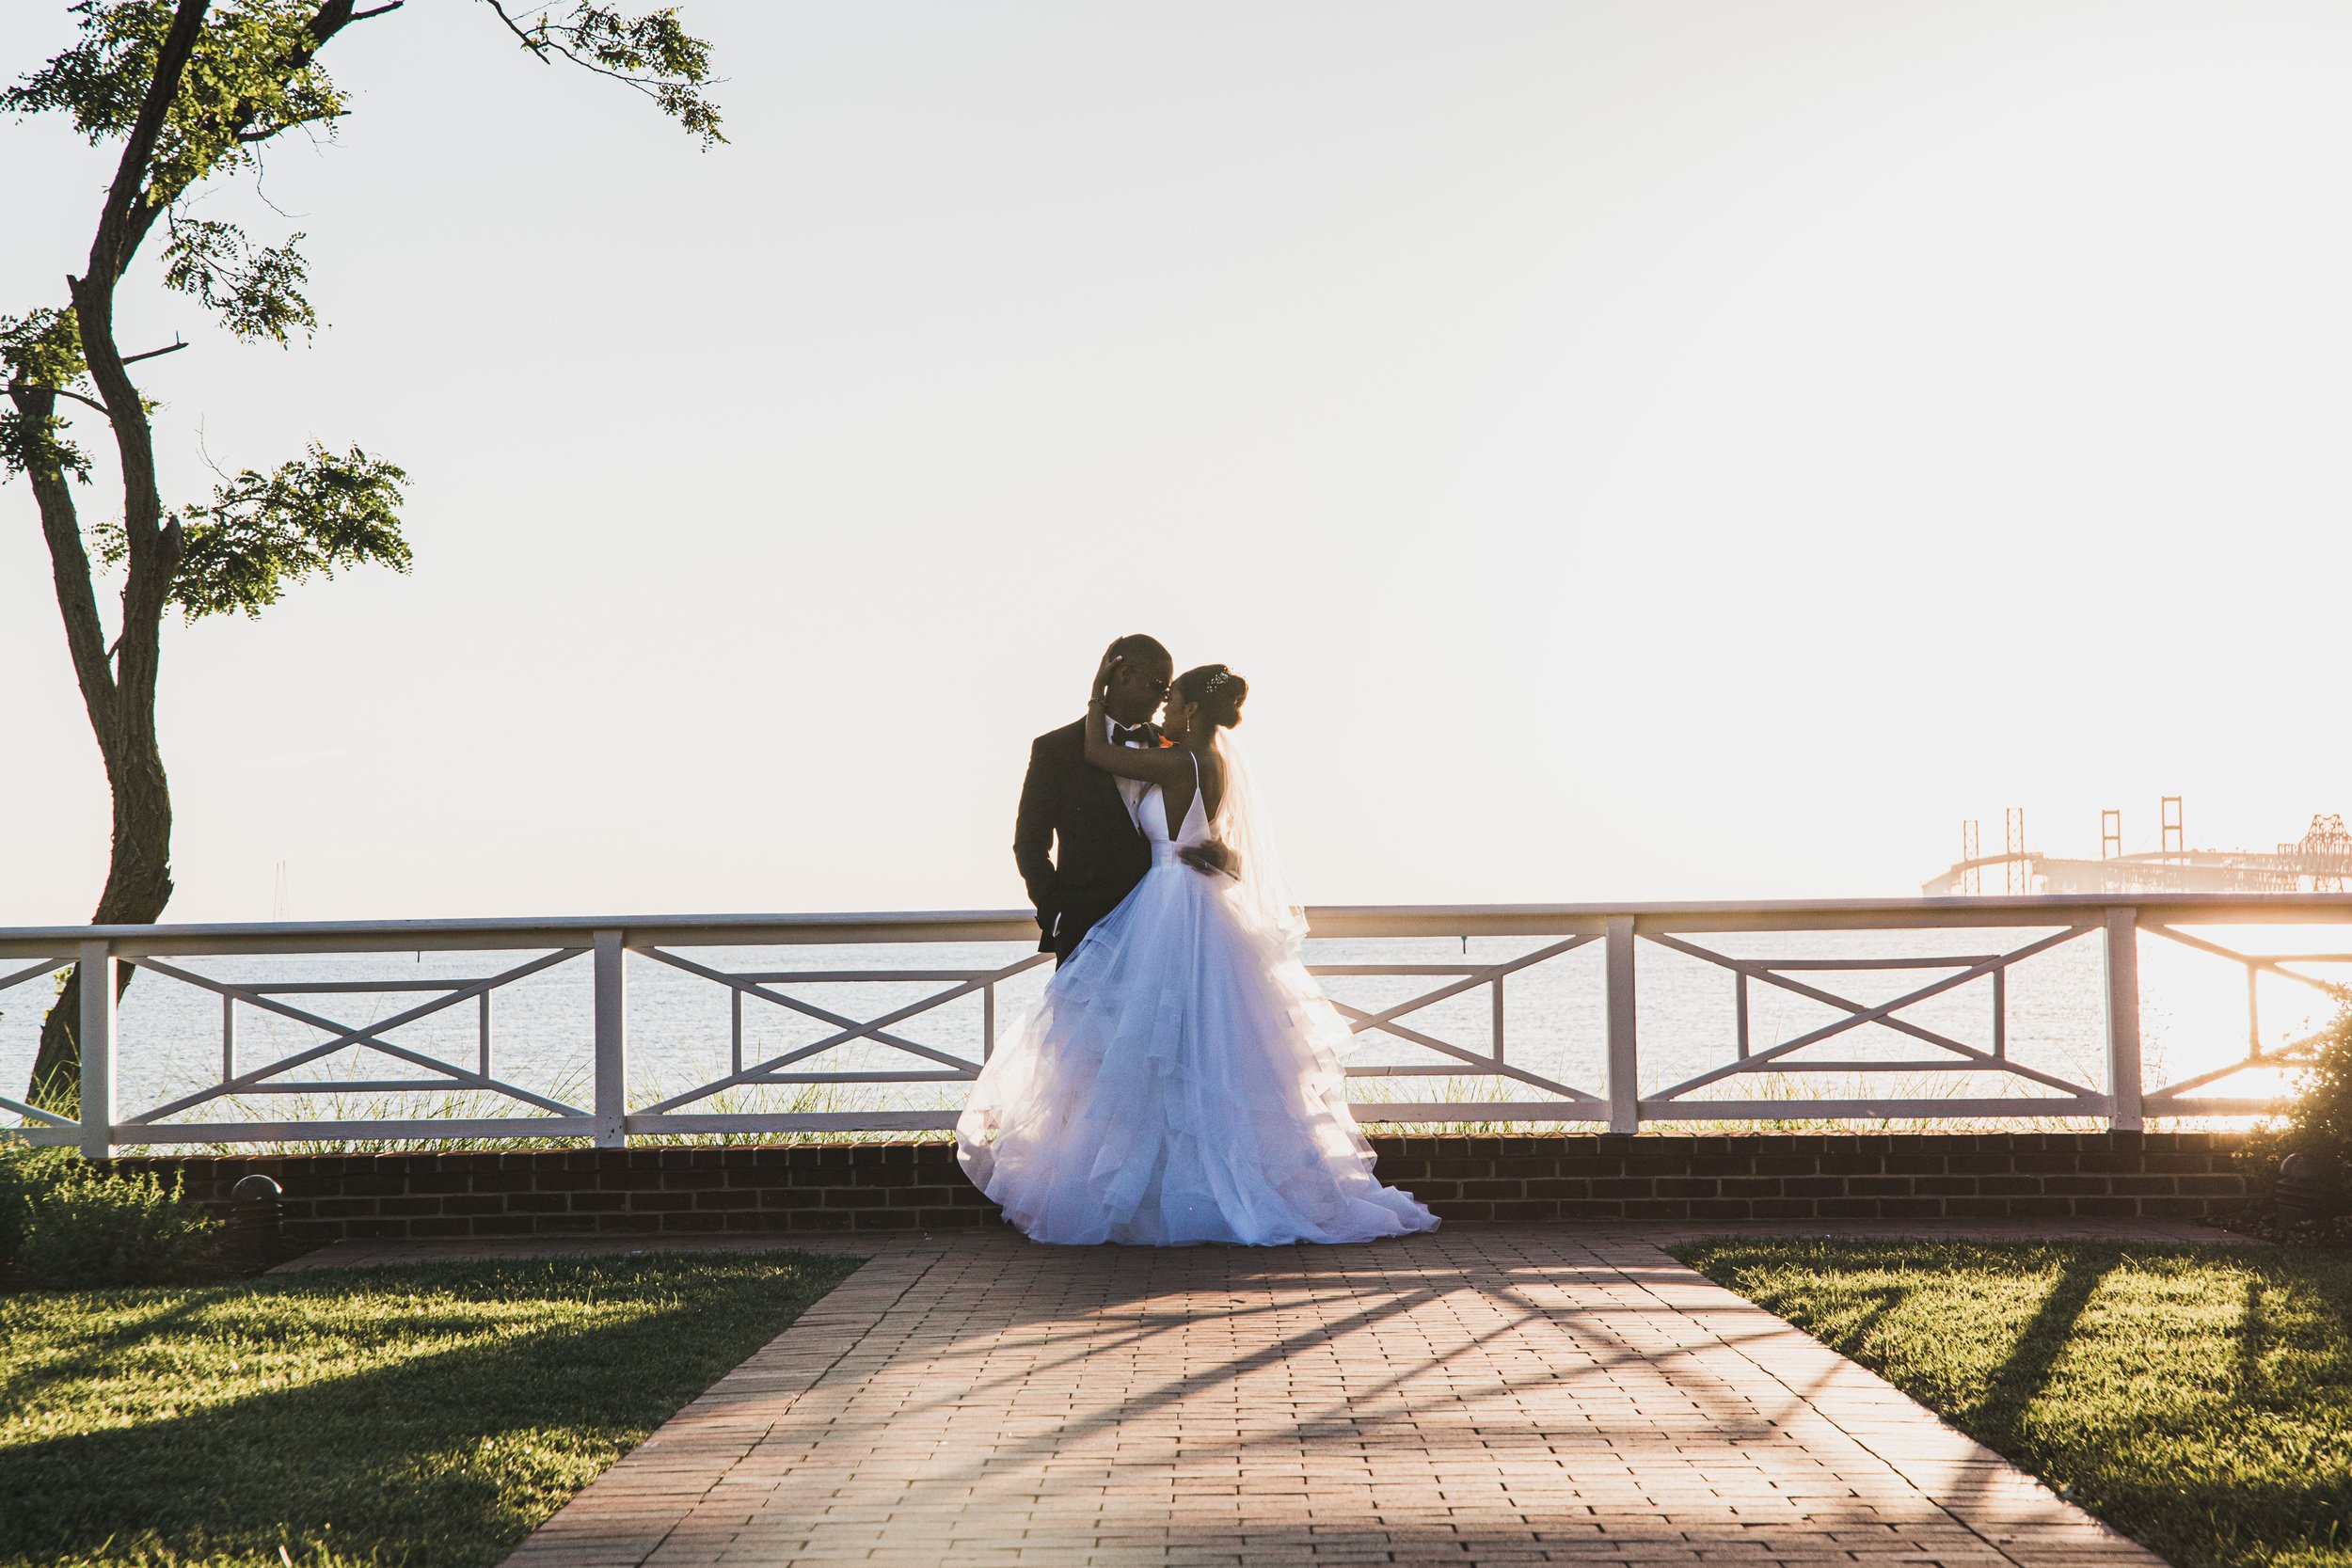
<point x="2169" y="812"/>
<point x="2013" y="874"/>
<point x="1972" y="876"/>
<point x="2110" y="834"/>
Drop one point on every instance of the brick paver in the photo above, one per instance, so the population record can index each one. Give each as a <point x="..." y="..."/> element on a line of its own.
<point x="1471" y="1397"/>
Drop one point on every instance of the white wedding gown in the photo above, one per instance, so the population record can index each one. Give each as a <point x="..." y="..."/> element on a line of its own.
<point x="1178" y="1083"/>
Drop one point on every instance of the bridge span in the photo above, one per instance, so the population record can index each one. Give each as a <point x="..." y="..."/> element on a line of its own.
<point x="2319" y="862"/>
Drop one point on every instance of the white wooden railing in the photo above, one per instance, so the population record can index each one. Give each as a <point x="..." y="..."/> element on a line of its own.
<point x="2009" y="930"/>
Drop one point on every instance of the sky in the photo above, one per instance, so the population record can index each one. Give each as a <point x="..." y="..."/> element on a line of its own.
<point x="1633" y="451"/>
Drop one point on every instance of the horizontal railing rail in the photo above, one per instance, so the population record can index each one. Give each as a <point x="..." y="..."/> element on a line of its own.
<point x="618" y="1105"/>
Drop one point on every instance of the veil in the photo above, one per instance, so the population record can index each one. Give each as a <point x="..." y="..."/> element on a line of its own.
<point x="1266" y="893"/>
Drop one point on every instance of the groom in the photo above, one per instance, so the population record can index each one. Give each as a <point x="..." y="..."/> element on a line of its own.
<point x="1089" y="814"/>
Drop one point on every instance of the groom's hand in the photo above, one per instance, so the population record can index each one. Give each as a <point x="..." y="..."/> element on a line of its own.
<point x="1210" y="859"/>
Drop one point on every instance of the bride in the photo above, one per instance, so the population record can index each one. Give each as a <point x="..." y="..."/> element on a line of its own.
<point x="1180" y="1081"/>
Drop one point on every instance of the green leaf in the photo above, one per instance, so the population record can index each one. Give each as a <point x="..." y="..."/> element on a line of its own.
<point x="250" y="78"/>
<point x="255" y="289"/>
<point x="39" y="349"/>
<point x="261" y="533"/>
<point x="42" y="347"/>
<point x="652" y="53"/>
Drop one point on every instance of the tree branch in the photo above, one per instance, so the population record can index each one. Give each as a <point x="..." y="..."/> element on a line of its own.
<point x="61" y="392"/>
<point x="255" y="138"/>
<point x="109" y="256"/>
<point x="535" y="46"/>
<point x="153" y="543"/>
<point x="152" y="353"/>
<point x="601" y="41"/>
<point x="331" y="17"/>
<point x="70" y="571"/>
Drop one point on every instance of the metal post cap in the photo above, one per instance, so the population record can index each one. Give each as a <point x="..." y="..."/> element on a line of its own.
<point x="255" y="1187"/>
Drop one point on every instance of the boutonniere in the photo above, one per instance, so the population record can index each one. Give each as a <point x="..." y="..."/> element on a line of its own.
<point x="1166" y="744"/>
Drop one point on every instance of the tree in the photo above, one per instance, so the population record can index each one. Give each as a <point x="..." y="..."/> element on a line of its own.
<point x="195" y="91"/>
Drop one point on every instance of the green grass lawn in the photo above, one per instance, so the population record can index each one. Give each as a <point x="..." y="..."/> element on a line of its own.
<point x="2198" y="1399"/>
<point x="426" y="1416"/>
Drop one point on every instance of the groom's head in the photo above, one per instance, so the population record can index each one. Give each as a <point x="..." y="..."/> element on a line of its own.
<point x="1139" y="682"/>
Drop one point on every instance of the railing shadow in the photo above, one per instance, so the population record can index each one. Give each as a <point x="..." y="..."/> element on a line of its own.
<point x="2210" y="1503"/>
<point x="1114" y="1316"/>
<point x="1999" y="1417"/>
<point x="2253" y="1379"/>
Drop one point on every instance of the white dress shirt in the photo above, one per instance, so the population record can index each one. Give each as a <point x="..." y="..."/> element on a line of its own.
<point x="1130" y="790"/>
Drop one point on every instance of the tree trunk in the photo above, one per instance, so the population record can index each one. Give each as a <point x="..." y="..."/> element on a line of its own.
<point x="118" y="685"/>
<point x="120" y="699"/>
<point x="139" y="885"/>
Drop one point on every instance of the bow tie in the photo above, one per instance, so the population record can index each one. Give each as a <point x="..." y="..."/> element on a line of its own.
<point x="1122" y="734"/>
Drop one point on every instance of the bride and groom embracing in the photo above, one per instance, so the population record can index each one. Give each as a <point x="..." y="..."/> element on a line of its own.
<point x="1180" y="1079"/>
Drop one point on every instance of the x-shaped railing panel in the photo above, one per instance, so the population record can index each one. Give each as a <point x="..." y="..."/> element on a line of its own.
<point x="267" y="1078"/>
<point x="758" y="984"/>
<point x="38" y="968"/>
<point x="2293" y="1053"/>
<point x="1469" y="978"/>
<point x="1963" y="1057"/>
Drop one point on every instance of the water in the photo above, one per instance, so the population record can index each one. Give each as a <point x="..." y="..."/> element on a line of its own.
<point x="2193" y="1019"/>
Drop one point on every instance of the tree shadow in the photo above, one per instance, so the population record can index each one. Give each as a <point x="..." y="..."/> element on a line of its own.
<point x="92" y="1347"/>
<point x="444" y="1460"/>
<point x="2235" y="1518"/>
<point x="106" y="1346"/>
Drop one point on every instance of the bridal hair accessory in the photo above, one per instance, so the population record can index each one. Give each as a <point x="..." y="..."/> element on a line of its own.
<point x="1217" y="680"/>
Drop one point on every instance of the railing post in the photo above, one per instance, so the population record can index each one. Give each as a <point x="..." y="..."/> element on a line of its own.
<point x="1624" y="1089"/>
<point x="612" y="1044"/>
<point x="2123" y="1020"/>
<point x="97" y="1041"/>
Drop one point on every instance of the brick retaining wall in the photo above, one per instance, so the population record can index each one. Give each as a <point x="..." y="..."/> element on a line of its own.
<point x="1576" y="1178"/>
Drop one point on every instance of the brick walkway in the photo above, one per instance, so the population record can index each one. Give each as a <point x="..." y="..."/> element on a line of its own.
<point x="1471" y="1397"/>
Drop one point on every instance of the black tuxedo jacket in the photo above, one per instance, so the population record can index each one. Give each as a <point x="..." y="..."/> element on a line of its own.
<point x="1079" y="851"/>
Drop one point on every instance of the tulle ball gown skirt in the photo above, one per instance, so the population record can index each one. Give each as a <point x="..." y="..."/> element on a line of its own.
<point x="1178" y="1084"/>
